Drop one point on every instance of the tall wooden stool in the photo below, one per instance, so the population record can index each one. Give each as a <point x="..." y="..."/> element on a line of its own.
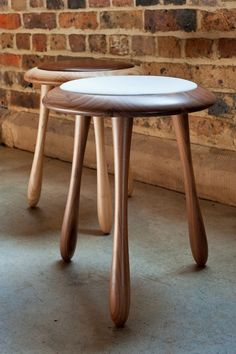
<point x="54" y="74"/>
<point x="123" y="98"/>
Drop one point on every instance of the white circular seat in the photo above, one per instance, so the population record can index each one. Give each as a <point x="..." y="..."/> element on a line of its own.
<point x="129" y="85"/>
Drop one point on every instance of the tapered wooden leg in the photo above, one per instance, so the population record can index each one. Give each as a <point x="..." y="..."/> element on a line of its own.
<point x="70" y="221"/>
<point x="130" y="183"/>
<point x="104" y="201"/>
<point x="36" y="174"/>
<point x="197" y="234"/>
<point x="120" y="277"/>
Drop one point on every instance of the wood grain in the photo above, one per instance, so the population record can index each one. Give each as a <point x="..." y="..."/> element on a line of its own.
<point x="129" y="106"/>
<point x="120" y="275"/>
<point x="70" y="221"/>
<point x="104" y="201"/>
<point x="36" y="174"/>
<point x="55" y="78"/>
<point x="197" y="234"/>
<point x="86" y="65"/>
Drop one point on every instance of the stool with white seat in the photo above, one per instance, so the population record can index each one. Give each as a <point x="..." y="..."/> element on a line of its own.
<point x="53" y="74"/>
<point x="123" y="98"/>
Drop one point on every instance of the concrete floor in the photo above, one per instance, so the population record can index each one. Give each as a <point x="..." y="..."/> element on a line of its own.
<point x="50" y="307"/>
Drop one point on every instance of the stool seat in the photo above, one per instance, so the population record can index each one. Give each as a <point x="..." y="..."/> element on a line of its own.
<point x="87" y="64"/>
<point x="129" y="96"/>
<point x="62" y="71"/>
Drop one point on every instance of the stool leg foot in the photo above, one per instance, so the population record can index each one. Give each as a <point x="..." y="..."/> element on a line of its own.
<point x="36" y="174"/>
<point x="104" y="201"/>
<point x="197" y="234"/>
<point x="70" y="221"/>
<point x="120" y="276"/>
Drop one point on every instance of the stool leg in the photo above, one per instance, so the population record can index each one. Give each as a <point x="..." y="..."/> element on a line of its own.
<point x="197" y="234"/>
<point x="36" y="174"/>
<point x="70" y="221"/>
<point x="104" y="202"/>
<point x="120" y="277"/>
<point x="130" y="183"/>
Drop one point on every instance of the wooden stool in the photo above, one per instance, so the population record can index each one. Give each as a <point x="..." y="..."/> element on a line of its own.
<point x="123" y="98"/>
<point x="54" y="74"/>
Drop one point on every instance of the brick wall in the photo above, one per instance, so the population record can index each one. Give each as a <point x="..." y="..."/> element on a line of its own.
<point x="193" y="39"/>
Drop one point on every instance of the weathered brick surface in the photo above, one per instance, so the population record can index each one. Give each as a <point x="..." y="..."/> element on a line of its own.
<point x="100" y="3"/>
<point x="119" y="45"/>
<point x="97" y="43"/>
<point x="10" y="21"/>
<point x="170" y="20"/>
<point x="199" y="47"/>
<point x="55" y="4"/>
<point x="6" y="40"/>
<point x="227" y="47"/>
<point x="58" y="42"/>
<point x="219" y="20"/>
<point x="81" y="20"/>
<point x="143" y="45"/>
<point x="169" y="47"/>
<point x="76" y="4"/>
<point x="36" y="3"/>
<point x="147" y="2"/>
<point x="122" y="2"/>
<point x="19" y="5"/>
<point x="121" y="19"/>
<point x="39" y="42"/>
<point x="8" y="59"/>
<point x="23" y="41"/>
<point x="77" y="42"/>
<point x="41" y="20"/>
<point x="3" y="98"/>
<point x="193" y="39"/>
<point x="28" y="100"/>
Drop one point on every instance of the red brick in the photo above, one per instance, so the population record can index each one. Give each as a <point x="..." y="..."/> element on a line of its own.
<point x="10" y="21"/>
<point x="227" y="47"/>
<point x="36" y="3"/>
<point x="99" y="3"/>
<point x="29" y="61"/>
<point x="81" y="20"/>
<point x="24" y="99"/>
<point x="97" y="43"/>
<point x="77" y="42"/>
<point x="76" y="4"/>
<point x="23" y="41"/>
<point x="198" y="47"/>
<point x="169" y="47"/>
<point x="119" y="44"/>
<point x="13" y="77"/>
<point x="58" y="42"/>
<point x="55" y="4"/>
<point x="39" y="42"/>
<point x="122" y="2"/>
<point x="203" y="2"/>
<point x="122" y="19"/>
<point x="170" y="20"/>
<point x="143" y="45"/>
<point x="40" y="20"/>
<point x="18" y="5"/>
<point x="7" y="59"/>
<point x="7" y="40"/>
<point x="3" y="98"/>
<point x="221" y="20"/>
<point x="4" y="4"/>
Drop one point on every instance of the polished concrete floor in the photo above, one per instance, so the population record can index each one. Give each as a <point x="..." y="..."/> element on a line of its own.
<point x="50" y="307"/>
